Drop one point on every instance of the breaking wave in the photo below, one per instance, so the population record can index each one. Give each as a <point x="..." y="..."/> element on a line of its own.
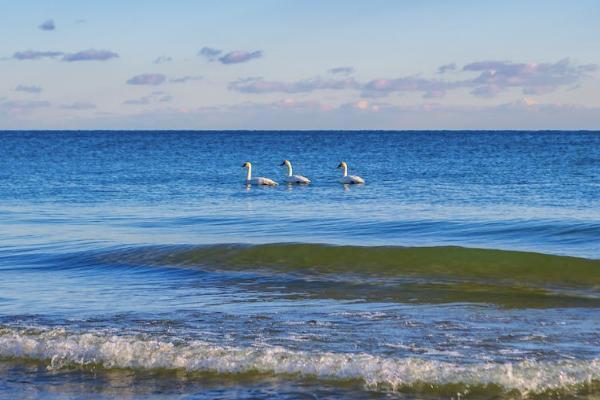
<point x="60" y="348"/>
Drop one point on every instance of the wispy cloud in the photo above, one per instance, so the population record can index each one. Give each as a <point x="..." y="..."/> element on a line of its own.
<point x="185" y="79"/>
<point x="486" y="91"/>
<point x="259" y="85"/>
<point x="36" y="54"/>
<point x="375" y="88"/>
<point x="162" y="60"/>
<point x="239" y="56"/>
<point x="446" y="68"/>
<point x="84" y="55"/>
<point x="47" y="25"/>
<point x="28" y="89"/>
<point x="154" y="97"/>
<point x="78" y="105"/>
<point x="90" y="55"/>
<point x="305" y="105"/>
<point x="139" y="101"/>
<point x="22" y="106"/>
<point x="341" y="71"/>
<point x="232" y="57"/>
<point x="430" y="88"/>
<point x="210" y="53"/>
<point x="157" y="79"/>
<point x="496" y="76"/>
<point x="147" y="79"/>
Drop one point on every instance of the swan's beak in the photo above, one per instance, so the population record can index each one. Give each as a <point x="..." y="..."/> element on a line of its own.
<point x="339" y="166"/>
<point x="282" y="164"/>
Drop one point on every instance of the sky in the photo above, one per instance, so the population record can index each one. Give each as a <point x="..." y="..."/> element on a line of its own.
<point x="311" y="64"/>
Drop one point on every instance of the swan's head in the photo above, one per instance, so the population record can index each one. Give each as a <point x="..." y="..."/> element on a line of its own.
<point x="246" y="165"/>
<point x="285" y="162"/>
<point x="343" y="165"/>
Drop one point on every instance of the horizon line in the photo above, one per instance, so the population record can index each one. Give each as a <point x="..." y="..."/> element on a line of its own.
<point x="301" y="130"/>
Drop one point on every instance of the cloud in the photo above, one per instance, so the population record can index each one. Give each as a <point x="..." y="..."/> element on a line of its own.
<point x="365" y="106"/>
<point x="301" y="106"/>
<point x="140" y="101"/>
<point x="47" y="25"/>
<point x="147" y="79"/>
<point x="28" y="89"/>
<point x="185" y="79"/>
<point x="493" y="78"/>
<point x="375" y="88"/>
<point x="238" y="56"/>
<point x="90" y="55"/>
<point x="84" y="55"/>
<point x="496" y="76"/>
<point x="430" y="88"/>
<point x="486" y="91"/>
<point x="446" y="67"/>
<point x="341" y="70"/>
<point x="78" y="105"/>
<point x="154" y="97"/>
<point x="210" y="53"/>
<point x="232" y="57"/>
<point x="20" y="106"/>
<point x="162" y="60"/>
<point x="36" y="55"/>
<point x="259" y="85"/>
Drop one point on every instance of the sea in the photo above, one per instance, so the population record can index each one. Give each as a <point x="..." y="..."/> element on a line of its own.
<point x="138" y="265"/>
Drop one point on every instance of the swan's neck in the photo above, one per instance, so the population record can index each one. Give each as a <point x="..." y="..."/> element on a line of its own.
<point x="289" y="167"/>
<point x="345" y="169"/>
<point x="249" y="173"/>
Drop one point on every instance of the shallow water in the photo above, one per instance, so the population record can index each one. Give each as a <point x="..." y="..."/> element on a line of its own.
<point x="137" y="265"/>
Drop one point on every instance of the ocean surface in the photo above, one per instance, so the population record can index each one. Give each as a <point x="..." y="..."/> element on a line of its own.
<point x="138" y="265"/>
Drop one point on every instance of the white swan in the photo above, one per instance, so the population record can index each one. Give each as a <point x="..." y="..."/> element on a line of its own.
<point x="349" y="179"/>
<point x="256" y="181"/>
<point x="297" y="179"/>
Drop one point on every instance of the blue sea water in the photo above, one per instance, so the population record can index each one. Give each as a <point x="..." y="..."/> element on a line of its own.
<point x="138" y="265"/>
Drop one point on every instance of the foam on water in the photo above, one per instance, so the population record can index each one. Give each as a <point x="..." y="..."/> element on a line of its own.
<point x="61" y="348"/>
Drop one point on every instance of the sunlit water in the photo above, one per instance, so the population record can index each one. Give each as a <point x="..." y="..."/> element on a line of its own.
<point x="138" y="265"/>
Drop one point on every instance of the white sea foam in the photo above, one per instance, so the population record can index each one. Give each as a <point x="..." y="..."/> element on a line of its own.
<point x="61" y="348"/>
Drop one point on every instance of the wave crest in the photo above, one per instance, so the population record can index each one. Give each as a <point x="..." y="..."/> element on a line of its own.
<point x="442" y="261"/>
<point x="60" y="348"/>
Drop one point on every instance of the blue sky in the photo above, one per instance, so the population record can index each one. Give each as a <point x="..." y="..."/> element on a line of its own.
<point x="300" y="65"/>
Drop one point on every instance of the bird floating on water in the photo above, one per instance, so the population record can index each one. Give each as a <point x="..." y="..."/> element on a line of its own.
<point x="349" y="179"/>
<point x="256" y="181"/>
<point x="294" y="179"/>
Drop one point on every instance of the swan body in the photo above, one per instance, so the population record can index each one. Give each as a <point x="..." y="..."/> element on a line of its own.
<point x="261" y="181"/>
<point x="349" y="179"/>
<point x="294" y="179"/>
<point x="256" y="181"/>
